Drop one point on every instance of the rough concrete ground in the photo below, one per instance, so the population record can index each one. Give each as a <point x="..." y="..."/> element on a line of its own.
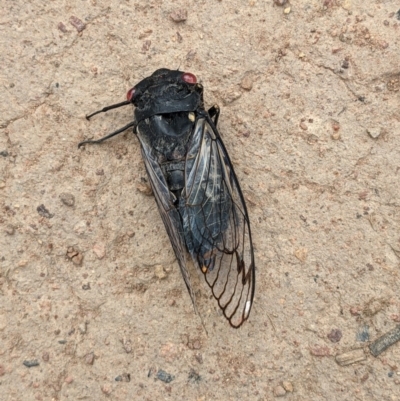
<point x="310" y="114"/>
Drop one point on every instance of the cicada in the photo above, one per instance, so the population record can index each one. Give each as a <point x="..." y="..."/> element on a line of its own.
<point x="195" y="186"/>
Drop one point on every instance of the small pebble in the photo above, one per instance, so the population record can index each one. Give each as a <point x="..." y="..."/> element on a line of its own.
<point x="301" y="254"/>
<point x="363" y="334"/>
<point x="146" y="46"/>
<point x="159" y="272"/>
<point x="67" y="198"/>
<point x="288" y="386"/>
<point x="230" y="96"/>
<point x="125" y="377"/>
<point x="373" y="132"/>
<point x="100" y="250"/>
<point x="280" y="2"/>
<point x="179" y="15"/>
<point x="106" y="389"/>
<point x="62" y="27"/>
<point x="303" y="126"/>
<point x="364" y="378"/>
<point x="393" y="85"/>
<point x="145" y="34"/>
<point x="77" y="23"/>
<point x="335" y="335"/>
<point x="80" y="227"/>
<point x="89" y="358"/>
<point x="194" y="343"/>
<point x="41" y="209"/>
<point x="69" y="379"/>
<point x="199" y="357"/>
<point x="395" y="317"/>
<point x="374" y="306"/>
<point x="279" y="391"/>
<point x="355" y="310"/>
<point x="350" y="357"/>
<point x="194" y="376"/>
<point x="347" y="5"/>
<point x="127" y="345"/>
<point x="31" y="363"/>
<point x="312" y="139"/>
<point x="164" y="376"/>
<point x="82" y="328"/>
<point x="384" y="342"/>
<point x="247" y="82"/>
<point x="74" y="255"/>
<point x="77" y="259"/>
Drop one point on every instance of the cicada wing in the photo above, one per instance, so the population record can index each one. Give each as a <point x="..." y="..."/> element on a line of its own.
<point x="216" y="224"/>
<point x="168" y="211"/>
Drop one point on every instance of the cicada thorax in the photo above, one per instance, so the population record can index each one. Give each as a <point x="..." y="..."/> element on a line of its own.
<point x="169" y="136"/>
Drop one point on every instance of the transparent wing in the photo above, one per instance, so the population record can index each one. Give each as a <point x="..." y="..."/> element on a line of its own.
<point x="168" y="211"/>
<point x="216" y="224"/>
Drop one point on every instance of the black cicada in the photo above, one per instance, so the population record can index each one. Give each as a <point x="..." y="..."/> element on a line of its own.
<point x="196" y="189"/>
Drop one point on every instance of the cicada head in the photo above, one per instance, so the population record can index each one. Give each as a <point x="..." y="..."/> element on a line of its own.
<point x="166" y="91"/>
<point x="160" y="81"/>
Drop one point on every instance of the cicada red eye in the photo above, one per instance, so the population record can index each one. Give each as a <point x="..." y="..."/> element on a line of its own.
<point x="189" y="78"/>
<point x="130" y="94"/>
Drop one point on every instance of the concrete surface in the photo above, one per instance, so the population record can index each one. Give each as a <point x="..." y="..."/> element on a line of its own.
<point x="89" y="286"/>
